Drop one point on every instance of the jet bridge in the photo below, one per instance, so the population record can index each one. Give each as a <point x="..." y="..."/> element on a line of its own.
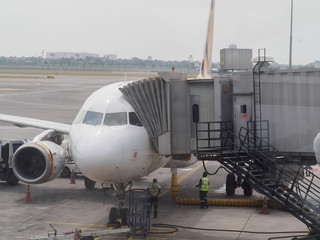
<point x="281" y="107"/>
<point x="260" y="125"/>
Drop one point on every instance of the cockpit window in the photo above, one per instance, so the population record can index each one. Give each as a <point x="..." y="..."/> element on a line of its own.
<point x="79" y="117"/>
<point x="134" y="120"/>
<point x="114" y="119"/>
<point x="93" y="118"/>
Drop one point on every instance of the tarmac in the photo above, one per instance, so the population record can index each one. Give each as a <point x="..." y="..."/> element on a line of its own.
<point x="69" y="206"/>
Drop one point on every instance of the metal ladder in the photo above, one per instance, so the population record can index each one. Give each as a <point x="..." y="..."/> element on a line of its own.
<point x="256" y="73"/>
<point x="139" y="215"/>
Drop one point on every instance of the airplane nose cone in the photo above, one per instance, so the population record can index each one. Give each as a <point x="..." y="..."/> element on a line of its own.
<point x="98" y="157"/>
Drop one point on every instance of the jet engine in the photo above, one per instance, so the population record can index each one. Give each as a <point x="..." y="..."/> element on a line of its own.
<point x="38" y="162"/>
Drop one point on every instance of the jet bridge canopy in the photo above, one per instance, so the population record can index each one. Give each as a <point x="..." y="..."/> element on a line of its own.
<point x="149" y="99"/>
<point x="163" y="105"/>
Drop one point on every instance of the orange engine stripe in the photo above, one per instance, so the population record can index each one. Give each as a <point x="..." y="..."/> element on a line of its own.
<point x="51" y="161"/>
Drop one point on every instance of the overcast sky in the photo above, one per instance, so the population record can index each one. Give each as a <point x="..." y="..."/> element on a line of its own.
<point x="163" y="29"/>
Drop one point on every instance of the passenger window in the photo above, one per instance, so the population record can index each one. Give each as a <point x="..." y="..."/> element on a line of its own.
<point x="134" y="120"/>
<point x="93" y="118"/>
<point x="114" y="119"/>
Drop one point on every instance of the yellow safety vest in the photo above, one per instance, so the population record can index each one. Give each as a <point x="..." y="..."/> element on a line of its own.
<point x="205" y="184"/>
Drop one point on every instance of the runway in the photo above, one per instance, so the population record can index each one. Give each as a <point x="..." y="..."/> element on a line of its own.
<point x="69" y="206"/>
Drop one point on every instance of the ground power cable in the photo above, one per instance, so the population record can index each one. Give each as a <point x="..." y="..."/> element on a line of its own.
<point x="205" y="169"/>
<point x="291" y="237"/>
<point x="224" y="230"/>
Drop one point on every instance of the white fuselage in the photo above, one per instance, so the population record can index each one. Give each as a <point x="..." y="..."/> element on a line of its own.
<point x="108" y="142"/>
<point x="316" y="147"/>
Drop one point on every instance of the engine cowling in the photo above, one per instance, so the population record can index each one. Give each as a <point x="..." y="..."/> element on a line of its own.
<point x="38" y="162"/>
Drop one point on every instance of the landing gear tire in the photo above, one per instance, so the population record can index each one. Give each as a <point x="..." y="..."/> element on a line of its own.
<point x="12" y="179"/>
<point x="65" y="173"/>
<point x="231" y="184"/>
<point x="113" y="216"/>
<point x="247" y="189"/>
<point x="89" y="183"/>
<point x="124" y="216"/>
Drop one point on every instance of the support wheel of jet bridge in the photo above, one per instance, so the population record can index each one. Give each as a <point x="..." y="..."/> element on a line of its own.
<point x="247" y="189"/>
<point x="231" y="184"/>
<point x="89" y="183"/>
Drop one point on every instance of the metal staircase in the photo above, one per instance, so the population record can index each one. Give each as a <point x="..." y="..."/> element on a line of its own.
<point x="268" y="172"/>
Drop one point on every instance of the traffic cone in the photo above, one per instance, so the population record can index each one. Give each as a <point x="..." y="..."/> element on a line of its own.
<point x="73" y="177"/>
<point x="265" y="207"/>
<point x="28" y="196"/>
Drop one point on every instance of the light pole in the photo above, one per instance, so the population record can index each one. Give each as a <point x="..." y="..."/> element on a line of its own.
<point x="290" y="50"/>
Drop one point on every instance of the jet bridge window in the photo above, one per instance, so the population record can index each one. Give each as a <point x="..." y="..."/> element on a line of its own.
<point x="134" y="120"/>
<point x="93" y="118"/>
<point x="115" y="119"/>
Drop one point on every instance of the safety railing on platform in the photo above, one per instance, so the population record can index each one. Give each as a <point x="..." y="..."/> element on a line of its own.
<point x="214" y="137"/>
<point x="258" y="135"/>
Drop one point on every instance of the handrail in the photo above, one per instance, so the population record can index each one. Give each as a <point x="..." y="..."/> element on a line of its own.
<point x="267" y="169"/>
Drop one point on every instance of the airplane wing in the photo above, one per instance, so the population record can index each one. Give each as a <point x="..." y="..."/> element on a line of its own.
<point x="36" y="123"/>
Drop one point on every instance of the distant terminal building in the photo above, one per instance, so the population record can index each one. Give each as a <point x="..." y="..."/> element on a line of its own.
<point x="77" y="55"/>
<point x="110" y="56"/>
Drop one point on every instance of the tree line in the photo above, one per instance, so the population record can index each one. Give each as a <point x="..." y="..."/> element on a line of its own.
<point x="96" y="62"/>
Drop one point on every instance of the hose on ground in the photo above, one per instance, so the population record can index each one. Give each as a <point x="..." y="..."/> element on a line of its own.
<point x="205" y="169"/>
<point x="224" y="230"/>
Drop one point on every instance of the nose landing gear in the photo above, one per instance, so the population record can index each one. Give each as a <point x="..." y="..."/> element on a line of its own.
<point x="120" y="214"/>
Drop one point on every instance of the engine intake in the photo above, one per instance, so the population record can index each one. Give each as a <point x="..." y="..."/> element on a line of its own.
<point x="38" y="162"/>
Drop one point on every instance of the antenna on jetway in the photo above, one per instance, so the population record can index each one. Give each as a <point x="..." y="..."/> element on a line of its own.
<point x="205" y="68"/>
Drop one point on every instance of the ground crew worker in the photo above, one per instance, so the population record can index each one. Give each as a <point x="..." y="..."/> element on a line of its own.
<point x="154" y="191"/>
<point x="203" y="188"/>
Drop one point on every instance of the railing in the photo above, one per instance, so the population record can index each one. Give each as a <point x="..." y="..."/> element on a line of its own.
<point x="258" y="130"/>
<point x="214" y="137"/>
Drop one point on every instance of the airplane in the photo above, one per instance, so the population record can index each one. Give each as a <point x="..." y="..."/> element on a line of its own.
<point x="316" y="147"/>
<point x="107" y="141"/>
